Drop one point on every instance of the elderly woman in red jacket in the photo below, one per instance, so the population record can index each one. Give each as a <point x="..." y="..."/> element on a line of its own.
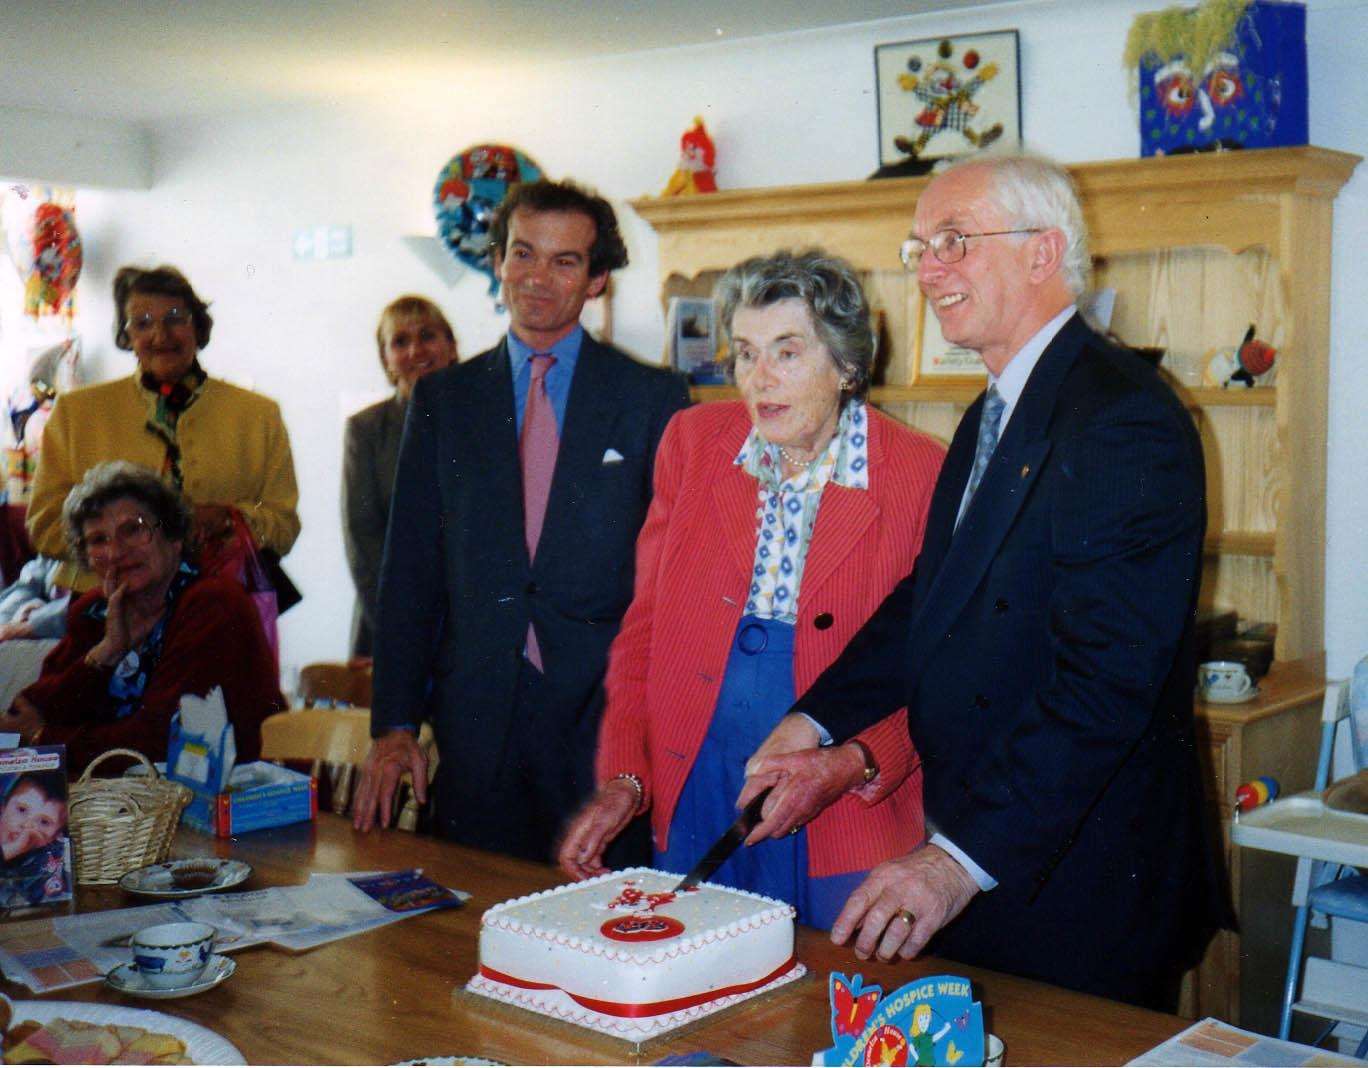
<point x="779" y="523"/>
<point x="151" y="633"/>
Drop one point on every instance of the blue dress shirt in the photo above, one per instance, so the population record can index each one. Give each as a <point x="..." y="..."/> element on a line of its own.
<point x="566" y="351"/>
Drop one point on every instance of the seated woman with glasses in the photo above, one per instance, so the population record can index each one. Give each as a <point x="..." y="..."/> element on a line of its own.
<point x="153" y="632"/>
<point x="223" y="447"/>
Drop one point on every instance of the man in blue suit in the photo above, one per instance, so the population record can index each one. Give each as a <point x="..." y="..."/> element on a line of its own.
<point x="1043" y="644"/>
<point x="497" y="602"/>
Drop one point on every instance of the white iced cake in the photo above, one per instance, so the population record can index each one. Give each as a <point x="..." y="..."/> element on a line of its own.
<point x="624" y="954"/>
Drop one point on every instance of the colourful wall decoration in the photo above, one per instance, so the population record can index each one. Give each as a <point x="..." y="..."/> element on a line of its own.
<point x="1229" y="74"/>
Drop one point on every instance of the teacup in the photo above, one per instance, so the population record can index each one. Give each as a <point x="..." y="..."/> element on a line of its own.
<point x="172" y="954"/>
<point x="1224" y="680"/>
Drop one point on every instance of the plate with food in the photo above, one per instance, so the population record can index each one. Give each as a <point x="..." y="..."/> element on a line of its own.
<point x="81" y="1032"/>
<point x="188" y="877"/>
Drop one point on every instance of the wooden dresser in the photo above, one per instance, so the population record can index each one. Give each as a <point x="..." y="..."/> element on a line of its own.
<point x="1197" y="248"/>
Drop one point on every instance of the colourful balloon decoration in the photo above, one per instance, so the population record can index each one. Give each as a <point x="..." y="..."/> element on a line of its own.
<point x="46" y="249"/>
<point x="469" y="188"/>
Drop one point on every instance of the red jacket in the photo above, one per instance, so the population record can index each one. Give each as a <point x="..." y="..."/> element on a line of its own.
<point x="693" y="567"/>
<point x="213" y="638"/>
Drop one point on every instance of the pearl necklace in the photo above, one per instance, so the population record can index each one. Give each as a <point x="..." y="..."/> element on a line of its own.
<point x="794" y="460"/>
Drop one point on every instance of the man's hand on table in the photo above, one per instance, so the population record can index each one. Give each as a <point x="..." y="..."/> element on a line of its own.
<point x="390" y="756"/>
<point x="927" y="884"/>
<point x="802" y="778"/>
<point x="600" y="821"/>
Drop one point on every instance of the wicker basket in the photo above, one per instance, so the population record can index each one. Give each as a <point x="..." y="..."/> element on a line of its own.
<point x="118" y="825"/>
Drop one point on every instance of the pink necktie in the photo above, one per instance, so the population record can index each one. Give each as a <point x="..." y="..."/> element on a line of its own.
<point x="537" y="450"/>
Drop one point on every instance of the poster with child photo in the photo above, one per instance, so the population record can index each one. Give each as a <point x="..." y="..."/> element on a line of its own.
<point x="35" y="849"/>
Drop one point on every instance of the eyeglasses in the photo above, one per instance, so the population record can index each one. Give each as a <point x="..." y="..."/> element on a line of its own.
<point x="130" y="534"/>
<point x="946" y="245"/>
<point x="143" y="325"/>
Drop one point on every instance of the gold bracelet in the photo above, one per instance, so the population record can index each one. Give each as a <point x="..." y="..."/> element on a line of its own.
<point x="637" y="785"/>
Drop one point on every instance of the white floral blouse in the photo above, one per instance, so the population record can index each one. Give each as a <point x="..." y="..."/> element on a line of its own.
<point x="787" y="508"/>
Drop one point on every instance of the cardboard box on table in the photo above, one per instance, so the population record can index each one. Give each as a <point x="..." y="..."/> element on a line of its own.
<point x="231" y="799"/>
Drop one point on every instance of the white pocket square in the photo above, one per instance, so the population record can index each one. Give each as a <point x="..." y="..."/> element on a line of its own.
<point x="612" y="456"/>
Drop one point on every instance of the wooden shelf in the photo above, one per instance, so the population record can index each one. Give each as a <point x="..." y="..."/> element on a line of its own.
<point x="1213" y="397"/>
<point x="1241" y="543"/>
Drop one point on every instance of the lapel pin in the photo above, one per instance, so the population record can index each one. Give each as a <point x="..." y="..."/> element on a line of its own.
<point x="1025" y="470"/>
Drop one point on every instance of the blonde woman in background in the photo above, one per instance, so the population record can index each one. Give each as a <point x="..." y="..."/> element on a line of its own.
<point x="414" y="339"/>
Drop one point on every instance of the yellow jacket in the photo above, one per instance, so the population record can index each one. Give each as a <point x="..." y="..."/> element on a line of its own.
<point x="234" y="450"/>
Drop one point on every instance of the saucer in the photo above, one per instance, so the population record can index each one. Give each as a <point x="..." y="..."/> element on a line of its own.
<point x="1212" y="699"/>
<point x="185" y="878"/>
<point x="128" y="980"/>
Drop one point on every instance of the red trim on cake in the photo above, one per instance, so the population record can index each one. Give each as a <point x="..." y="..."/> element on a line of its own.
<point x="650" y="1008"/>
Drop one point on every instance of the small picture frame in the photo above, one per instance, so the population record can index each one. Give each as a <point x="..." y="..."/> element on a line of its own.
<point x="942" y="97"/>
<point x="692" y="326"/>
<point x="935" y="358"/>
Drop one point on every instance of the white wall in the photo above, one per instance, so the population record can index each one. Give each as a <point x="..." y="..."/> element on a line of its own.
<point x="228" y="195"/>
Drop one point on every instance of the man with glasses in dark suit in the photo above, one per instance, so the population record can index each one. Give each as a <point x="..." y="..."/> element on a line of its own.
<point x="1043" y="643"/>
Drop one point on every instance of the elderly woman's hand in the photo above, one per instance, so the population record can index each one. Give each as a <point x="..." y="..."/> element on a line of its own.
<point x="802" y="778"/>
<point x="598" y="823"/>
<point x="24" y="719"/>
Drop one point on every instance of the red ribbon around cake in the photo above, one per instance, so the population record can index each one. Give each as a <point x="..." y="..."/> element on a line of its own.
<point x="650" y="1008"/>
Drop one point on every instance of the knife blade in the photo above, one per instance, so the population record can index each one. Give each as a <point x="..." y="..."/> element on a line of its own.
<point x="725" y="846"/>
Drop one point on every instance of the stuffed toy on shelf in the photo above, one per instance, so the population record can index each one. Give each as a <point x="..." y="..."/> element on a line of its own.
<point x="697" y="157"/>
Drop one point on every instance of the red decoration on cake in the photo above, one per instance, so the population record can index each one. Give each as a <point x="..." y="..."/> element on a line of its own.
<point x="641" y="928"/>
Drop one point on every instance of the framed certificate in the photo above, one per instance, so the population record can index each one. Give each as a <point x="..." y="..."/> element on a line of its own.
<point x="935" y="358"/>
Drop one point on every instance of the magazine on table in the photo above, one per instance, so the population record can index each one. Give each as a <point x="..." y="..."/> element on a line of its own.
<point x="35" y="846"/>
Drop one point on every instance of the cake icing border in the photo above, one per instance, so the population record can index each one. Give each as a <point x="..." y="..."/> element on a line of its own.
<point x="778" y="910"/>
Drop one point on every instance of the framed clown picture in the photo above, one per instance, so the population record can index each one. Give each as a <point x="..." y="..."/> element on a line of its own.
<point x="947" y="96"/>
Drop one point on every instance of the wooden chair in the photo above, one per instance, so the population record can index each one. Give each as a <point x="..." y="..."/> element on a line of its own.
<point x="334" y="685"/>
<point x="335" y="742"/>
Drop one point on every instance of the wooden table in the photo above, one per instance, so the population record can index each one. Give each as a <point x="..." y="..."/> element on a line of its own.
<point x="396" y="993"/>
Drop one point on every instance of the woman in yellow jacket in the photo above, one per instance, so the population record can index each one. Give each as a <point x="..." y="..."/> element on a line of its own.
<point x="225" y="448"/>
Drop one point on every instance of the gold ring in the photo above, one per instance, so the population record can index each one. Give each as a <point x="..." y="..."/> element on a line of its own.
<point x="905" y="916"/>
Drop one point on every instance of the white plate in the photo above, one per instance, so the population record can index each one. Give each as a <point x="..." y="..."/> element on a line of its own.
<point x="457" y="1059"/>
<point x="162" y="880"/>
<point x="128" y="980"/>
<point x="201" y="1045"/>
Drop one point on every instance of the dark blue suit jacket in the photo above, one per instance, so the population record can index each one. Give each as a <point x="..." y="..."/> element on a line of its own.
<point x="457" y="588"/>
<point x="1044" y="652"/>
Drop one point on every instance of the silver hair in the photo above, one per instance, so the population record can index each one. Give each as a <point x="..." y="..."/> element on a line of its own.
<point x="830" y="289"/>
<point x="118" y="480"/>
<point x="1037" y="193"/>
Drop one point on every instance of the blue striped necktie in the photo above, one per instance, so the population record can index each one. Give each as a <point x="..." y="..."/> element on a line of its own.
<point x="990" y="422"/>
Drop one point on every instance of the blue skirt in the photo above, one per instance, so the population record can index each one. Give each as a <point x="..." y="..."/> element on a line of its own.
<point x="757" y="689"/>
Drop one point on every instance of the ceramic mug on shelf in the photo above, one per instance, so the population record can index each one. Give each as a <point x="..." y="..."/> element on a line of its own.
<point x="1224" y="680"/>
<point x="172" y="954"/>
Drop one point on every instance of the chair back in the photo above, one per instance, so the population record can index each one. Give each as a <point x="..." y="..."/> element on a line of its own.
<point x="330" y="735"/>
<point x="1335" y="708"/>
<point x="334" y="685"/>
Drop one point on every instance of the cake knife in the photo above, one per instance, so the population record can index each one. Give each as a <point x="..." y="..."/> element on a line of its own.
<point x="726" y="845"/>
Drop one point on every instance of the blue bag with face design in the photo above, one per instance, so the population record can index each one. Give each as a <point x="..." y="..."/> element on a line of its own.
<point x="1249" y="92"/>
